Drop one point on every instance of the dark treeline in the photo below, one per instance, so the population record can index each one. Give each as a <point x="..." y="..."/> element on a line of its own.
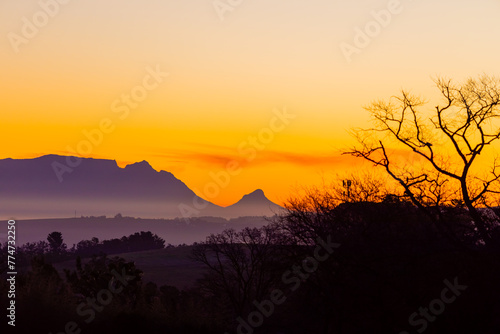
<point x="54" y="248"/>
<point x="133" y="243"/>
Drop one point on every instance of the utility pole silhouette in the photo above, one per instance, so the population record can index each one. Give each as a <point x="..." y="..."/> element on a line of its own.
<point x="347" y="184"/>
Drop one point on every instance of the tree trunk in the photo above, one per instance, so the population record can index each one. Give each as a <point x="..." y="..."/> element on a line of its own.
<point x="475" y="215"/>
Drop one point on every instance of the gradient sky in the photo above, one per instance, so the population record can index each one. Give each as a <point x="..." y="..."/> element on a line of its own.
<point x="226" y="78"/>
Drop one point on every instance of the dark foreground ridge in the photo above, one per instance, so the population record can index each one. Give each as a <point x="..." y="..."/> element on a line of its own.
<point x="353" y="268"/>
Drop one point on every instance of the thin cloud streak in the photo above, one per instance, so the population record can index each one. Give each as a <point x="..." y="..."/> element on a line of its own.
<point x="262" y="158"/>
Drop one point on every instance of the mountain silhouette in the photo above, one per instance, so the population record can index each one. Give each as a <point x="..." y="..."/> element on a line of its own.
<point x="253" y="197"/>
<point x="56" y="186"/>
<point x="253" y="204"/>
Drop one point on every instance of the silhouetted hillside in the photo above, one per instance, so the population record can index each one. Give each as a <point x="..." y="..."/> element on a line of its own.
<point x="255" y="203"/>
<point x="57" y="186"/>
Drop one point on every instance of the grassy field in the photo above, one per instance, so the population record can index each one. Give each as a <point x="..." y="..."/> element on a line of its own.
<point x="171" y="266"/>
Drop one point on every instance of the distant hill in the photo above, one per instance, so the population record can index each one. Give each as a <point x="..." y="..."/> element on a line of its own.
<point x="253" y="204"/>
<point x="54" y="186"/>
<point x="174" y="231"/>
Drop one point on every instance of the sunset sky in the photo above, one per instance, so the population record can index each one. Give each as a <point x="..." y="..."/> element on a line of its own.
<point x="227" y="79"/>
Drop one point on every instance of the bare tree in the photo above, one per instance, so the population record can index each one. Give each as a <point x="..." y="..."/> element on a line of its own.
<point x="241" y="265"/>
<point x="447" y="141"/>
<point x="364" y="186"/>
<point x="307" y="213"/>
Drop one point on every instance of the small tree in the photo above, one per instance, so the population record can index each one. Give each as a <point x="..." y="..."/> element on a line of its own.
<point x="56" y="243"/>
<point x="447" y="142"/>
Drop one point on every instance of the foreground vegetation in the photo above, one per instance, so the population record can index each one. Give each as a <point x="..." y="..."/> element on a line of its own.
<point x="323" y="267"/>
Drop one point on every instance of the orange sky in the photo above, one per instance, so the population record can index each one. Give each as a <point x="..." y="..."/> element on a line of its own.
<point x="226" y="77"/>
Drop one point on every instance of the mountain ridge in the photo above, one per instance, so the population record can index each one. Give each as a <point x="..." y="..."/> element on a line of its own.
<point x="49" y="185"/>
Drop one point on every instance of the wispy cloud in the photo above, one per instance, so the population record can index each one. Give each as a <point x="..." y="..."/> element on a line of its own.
<point x="218" y="156"/>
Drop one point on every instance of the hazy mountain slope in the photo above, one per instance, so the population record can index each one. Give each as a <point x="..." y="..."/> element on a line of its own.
<point x="53" y="186"/>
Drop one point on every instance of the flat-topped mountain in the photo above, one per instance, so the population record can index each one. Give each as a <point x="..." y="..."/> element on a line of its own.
<point x="57" y="186"/>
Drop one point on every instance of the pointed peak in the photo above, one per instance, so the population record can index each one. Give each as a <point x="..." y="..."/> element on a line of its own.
<point x="255" y="195"/>
<point x="254" y="204"/>
<point x="257" y="192"/>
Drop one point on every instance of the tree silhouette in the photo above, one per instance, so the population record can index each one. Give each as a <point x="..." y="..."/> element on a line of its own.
<point x="55" y="240"/>
<point x="99" y="272"/>
<point x="447" y="142"/>
<point x="241" y="265"/>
